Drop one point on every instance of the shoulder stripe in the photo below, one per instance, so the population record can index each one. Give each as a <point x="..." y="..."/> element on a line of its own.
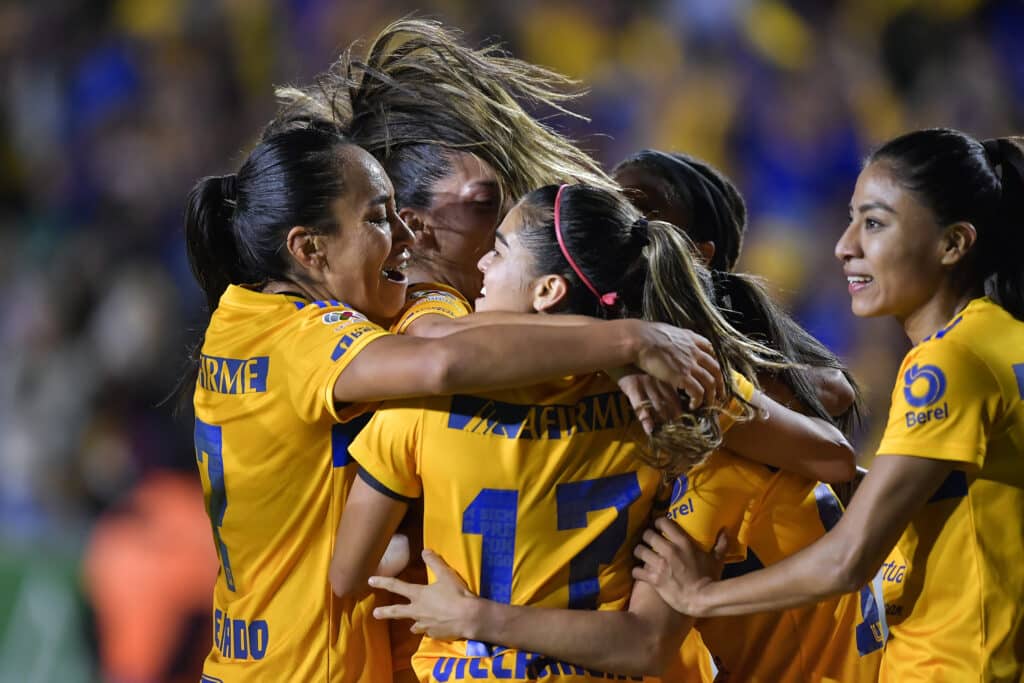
<point x="381" y="488"/>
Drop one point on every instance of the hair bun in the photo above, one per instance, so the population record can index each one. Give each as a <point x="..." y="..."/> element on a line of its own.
<point x="639" y="231"/>
<point x="229" y="187"/>
<point x="993" y="151"/>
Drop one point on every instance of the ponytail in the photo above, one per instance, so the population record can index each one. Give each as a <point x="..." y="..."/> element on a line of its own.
<point x="209" y="236"/>
<point x="745" y="303"/>
<point x="1005" y="284"/>
<point x="679" y="291"/>
<point x="618" y="264"/>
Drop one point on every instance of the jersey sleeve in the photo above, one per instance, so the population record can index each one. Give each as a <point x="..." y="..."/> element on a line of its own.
<point x="746" y="390"/>
<point x="430" y="302"/>
<point x="944" y="404"/>
<point x="388" y="449"/>
<point x="325" y="338"/>
<point x="715" y="495"/>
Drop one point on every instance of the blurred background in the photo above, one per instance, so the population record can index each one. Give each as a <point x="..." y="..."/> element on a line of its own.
<point x="111" y="110"/>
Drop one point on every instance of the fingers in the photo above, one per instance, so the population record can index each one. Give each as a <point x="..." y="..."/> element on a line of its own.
<point x="667" y="402"/>
<point x="393" y="585"/>
<point x="633" y="387"/>
<point x="393" y="612"/>
<point x="644" y="574"/>
<point x="442" y="570"/>
<point x="657" y="543"/>
<point x="672" y="532"/>
<point x="650" y="558"/>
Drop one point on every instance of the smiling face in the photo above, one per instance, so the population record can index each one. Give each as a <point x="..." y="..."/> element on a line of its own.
<point x="508" y="270"/>
<point x="892" y="249"/>
<point x="364" y="258"/>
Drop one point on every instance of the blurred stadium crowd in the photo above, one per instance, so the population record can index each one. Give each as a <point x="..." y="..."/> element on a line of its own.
<point x="111" y="109"/>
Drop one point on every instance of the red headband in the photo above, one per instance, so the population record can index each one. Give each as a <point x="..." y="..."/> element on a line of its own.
<point x="606" y="300"/>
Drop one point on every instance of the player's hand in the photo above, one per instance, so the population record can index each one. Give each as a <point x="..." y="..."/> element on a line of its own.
<point x="683" y="359"/>
<point x="676" y="567"/>
<point x="654" y="402"/>
<point x="442" y="610"/>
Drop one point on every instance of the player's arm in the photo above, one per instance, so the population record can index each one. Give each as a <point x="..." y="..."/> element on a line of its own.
<point x="367" y="524"/>
<point x="895" y="489"/>
<point x="437" y="325"/>
<point x="497" y="356"/>
<point x="638" y="641"/>
<point x="789" y="440"/>
<point x="831" y="385"/>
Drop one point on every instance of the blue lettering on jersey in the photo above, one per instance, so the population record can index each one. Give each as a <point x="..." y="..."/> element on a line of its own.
<point x="920" y="417"/>
<point x="233" y="375"/>
<point x="892" y="572"/>
<point x="555" y="421"/>
<point x="513" y="665"/>
<point x="238" y="638"/>
<point x="345" y="342"/>
<point x="936" y="385"/>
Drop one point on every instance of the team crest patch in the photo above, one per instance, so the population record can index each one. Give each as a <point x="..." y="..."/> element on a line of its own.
<point x="341" y="316"/>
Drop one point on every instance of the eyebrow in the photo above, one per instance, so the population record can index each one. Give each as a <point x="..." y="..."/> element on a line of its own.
<point x="501" y="238"/>
<point x="380" y="199"/>
<point x="867" y="206"/>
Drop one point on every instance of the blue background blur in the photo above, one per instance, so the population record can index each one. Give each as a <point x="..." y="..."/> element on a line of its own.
<point x="111" y="110"/>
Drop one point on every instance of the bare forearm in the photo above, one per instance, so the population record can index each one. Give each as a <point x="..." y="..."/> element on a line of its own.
<point x="610" y="641"/>
<point x="817" y="572"/>
<point x="440" y="326"/>
<point x="503" y="355"/>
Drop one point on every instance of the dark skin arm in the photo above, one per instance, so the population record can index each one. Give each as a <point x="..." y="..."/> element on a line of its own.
<point x="786" y="439"/>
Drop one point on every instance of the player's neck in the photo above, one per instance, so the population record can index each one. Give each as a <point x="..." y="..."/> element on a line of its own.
<point x="938" y="311"/>
<point x="292" y="287"/>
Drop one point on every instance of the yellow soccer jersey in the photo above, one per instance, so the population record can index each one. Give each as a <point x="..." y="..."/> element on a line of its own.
<point x="430" y="298"/>
<point x="275" y="472"/>
<point x="534" y="496"/>
<point x="771" y="514"/>
<point x="954" y="585"/>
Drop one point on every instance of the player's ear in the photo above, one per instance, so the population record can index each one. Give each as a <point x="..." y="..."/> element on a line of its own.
<point x="549" y="293"/>
<point x="957" y="240"/>
<point x="306" y="247"/>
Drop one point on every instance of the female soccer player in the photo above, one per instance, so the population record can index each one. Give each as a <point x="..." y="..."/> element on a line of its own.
<point x="935" y="240"/>
<point x="560" y="495"/>
<point x="701" y="200"/>
<point x="308" y="222"/>
<point x="791" y="645"/>
<point x="774" y="513"/>
<point x="445" y="121"/>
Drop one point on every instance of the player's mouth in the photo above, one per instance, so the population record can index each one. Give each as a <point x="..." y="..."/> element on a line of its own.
<point x="395" y="271"/>
<point x="856" y="283"/>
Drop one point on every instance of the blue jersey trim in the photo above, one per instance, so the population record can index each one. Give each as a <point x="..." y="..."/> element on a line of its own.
<point x="381" y="488"/>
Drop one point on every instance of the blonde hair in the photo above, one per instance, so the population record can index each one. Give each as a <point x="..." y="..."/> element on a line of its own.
<point x="418" y="84"/>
